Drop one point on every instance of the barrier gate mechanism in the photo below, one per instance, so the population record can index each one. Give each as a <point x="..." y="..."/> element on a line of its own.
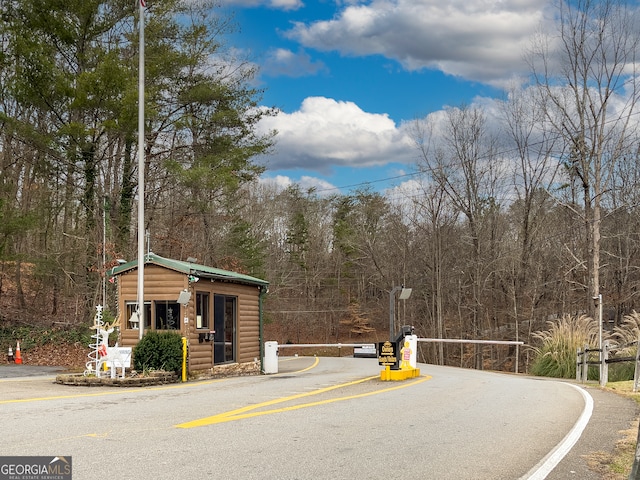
<point x="391" y="354"/>
<point x="271" y="349"/>
<point x="399" y="356"/>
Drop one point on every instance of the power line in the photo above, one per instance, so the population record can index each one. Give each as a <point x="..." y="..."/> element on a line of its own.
<point x="509" y="151"/>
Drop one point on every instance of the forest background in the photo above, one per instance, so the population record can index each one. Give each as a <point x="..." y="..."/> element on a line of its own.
<point x="519" y="215"/>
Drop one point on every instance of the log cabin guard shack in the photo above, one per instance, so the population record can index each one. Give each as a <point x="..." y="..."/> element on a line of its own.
<point x="221" y="317"/>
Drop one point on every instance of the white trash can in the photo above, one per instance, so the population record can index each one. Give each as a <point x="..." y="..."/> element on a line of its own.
<point x="270" y="357"/>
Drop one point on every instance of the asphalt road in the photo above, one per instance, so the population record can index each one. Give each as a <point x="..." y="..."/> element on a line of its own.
<point x="326" y="418"/>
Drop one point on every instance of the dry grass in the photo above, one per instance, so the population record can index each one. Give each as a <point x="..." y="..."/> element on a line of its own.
<point x="628" y="333"/>
<point x="617" y="465"/>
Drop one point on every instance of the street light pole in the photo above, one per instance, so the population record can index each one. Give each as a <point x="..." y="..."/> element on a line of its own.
<point x="404" y="294"/>
<point x="392" y="310"/>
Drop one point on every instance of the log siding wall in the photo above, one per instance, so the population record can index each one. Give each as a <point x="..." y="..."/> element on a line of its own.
<point x="165" y="284"/>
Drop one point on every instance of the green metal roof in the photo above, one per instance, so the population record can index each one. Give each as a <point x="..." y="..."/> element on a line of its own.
<point x="189" y="268"/>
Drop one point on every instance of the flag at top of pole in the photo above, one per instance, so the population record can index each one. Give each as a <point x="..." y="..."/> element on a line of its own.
<point x="143" y="3"/>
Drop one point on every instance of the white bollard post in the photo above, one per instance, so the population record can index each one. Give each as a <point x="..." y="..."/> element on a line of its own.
<point x="604" y="366"/>
<point x="270" y="357"/>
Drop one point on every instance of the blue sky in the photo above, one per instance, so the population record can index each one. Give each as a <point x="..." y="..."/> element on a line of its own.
<point x="349" y="77"/>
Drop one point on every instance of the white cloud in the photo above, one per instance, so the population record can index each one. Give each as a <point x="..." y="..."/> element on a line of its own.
<point x="321" y="186"/>
<point x="406" y="190"/>
<point x="324" y="133"/>
<point x="279" y="182"/>
<point x="282" y="182"/>
<point x="284" y="62"/>
<point x="481" y="40"/>
<point x="276" y="4"/>
<point x="402" y="196"/>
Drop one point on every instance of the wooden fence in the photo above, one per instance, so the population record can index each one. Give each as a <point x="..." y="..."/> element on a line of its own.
<point x="584" y="360"/>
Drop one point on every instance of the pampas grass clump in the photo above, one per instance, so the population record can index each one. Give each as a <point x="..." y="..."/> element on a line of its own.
<point x="556" y="355"/>
<point x="626" y="336"/>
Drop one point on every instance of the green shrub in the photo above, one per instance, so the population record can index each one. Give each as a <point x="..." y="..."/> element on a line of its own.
<point x="158" y="351"/>
<point x="621" y="372"/>
<point x="556" y="357"/>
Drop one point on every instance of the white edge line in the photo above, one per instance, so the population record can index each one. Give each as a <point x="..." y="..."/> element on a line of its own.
<point x="555" y="456"/>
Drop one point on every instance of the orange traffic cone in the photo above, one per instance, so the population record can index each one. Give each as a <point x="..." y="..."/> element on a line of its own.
<point x="18" y="355"/>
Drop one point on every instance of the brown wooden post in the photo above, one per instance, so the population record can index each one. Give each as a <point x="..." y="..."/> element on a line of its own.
<point x="578" y="364"/>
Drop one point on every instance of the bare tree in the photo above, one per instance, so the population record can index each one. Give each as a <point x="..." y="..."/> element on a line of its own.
<point x="433" y="218"/>
<point x="587" y="76"/>
<point x="463" y="162"/>
<point x="534" y="172"/>
<point x="620" y="245"/>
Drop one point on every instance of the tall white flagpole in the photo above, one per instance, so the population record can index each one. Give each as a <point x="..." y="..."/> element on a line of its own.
<point x="141" y="162"/>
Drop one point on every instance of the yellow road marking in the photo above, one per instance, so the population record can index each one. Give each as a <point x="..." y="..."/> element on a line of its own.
<point x="94" y="435"/>
<point x="246" y="412"/>
<point x="315" y="364"/>
<point x="128" y="390"/>
<point x="115" y="392"/>
<point x="292" y="397"/>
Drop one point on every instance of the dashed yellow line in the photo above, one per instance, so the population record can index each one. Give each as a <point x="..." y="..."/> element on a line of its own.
<point x="248" y="411"/>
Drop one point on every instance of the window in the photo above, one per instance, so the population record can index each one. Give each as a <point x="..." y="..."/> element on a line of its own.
<point x="202" y="310"/>
<point x="167" y="315"/>
<point x="132" y="307"/>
